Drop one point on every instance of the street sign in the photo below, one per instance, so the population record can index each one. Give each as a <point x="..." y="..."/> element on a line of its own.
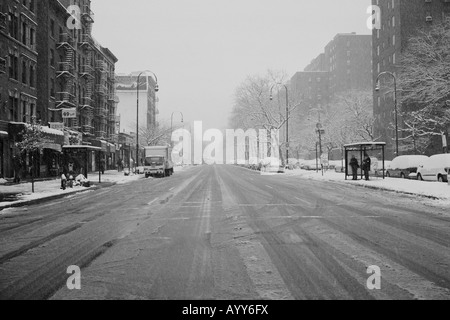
<point x="69" y="113"/>
<point x="57" y="125"/>
<point x="322" y="132"/>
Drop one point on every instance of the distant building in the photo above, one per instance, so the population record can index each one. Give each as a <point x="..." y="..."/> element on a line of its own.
<point x="312" y="89"/>
<point x="400" y="19"/>
<point x="126" y="88"/>
<point x="344" y="65"/>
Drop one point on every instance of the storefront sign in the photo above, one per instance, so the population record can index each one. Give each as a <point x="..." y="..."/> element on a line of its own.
<point x="69" y="113"/>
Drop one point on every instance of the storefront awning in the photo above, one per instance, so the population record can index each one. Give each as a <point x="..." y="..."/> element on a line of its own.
<point x="82" y="147"/>
<point x="52" y="146"/>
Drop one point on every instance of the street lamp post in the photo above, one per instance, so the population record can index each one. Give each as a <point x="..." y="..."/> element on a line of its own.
<point x="137" y="111"/>
<point x="171" y="123"/>
<point x="377" y="88"/>
<point x="287" y="117"/>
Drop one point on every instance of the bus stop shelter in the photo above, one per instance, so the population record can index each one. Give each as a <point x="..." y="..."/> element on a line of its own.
<point x="359" y="149"/>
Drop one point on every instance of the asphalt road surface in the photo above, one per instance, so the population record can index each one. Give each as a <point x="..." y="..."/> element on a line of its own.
<point x="224" y="232"/>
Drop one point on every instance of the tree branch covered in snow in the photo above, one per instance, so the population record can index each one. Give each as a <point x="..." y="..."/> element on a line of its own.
<point x="32" y="139"/>
<point x="424" y="87"/>
<point x="253" y="108"/>
<point x="424" y="70"/>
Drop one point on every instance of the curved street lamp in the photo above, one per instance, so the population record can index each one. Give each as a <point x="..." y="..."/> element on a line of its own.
<point x="287" y="117"/>
<point x="377" y="89"/>
<point x="137" y="111"/>
<point x="171" y="123"/>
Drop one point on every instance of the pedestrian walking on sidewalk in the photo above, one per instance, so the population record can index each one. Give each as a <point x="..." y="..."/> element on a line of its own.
<point x="354" y="165"/>
<point x="63" y="181"/>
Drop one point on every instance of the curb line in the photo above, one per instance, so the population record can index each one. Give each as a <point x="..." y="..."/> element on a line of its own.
<point x="56" y="196"/>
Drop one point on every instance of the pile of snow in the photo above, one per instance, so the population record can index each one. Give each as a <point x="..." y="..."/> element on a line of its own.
<point x="434" y="190"/>
<point x="117" y="177"/>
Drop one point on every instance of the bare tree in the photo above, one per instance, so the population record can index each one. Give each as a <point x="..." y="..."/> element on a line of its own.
<point x="424" y="67"/>
<point x="424" y="82"/>
<point x="32" y="141"/>
<point x="253" y="107"/>
<point x="348" y="119"/>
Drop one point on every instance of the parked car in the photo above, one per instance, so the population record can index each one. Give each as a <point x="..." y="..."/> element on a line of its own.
<point x="140" y="170"/>
<point x="436" y="168"/>
<point x="310" y="165"/>
<point x="405" y="167"/>
<point x="378" y="171"/>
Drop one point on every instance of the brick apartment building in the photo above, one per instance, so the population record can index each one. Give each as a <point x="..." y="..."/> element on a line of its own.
<point x="400" y="19"/>
<point x="344" y="65"/>
<point x="18" y="66"/>
<point x="74" y="72"/>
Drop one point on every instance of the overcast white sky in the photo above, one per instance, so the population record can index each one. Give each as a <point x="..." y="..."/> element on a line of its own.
<point x="201" y="50"/>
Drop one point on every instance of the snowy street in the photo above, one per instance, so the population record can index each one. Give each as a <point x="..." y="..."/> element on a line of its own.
<point x="224" y="232"/>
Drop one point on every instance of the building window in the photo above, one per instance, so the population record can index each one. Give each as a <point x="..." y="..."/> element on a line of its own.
<point x="24" y="111"/>
<point x="24" y="33"/>
<point x="393" y="40"/>
<point x="32" y="76"/>
<point x="32" y="110"/>
<point x="52" y="28"/>
<point x="52" y="87"/>
<point x="24" y="72"/>
<point x="52" y="57"/>
<point x="13" y="109"/>
<point x="13" y="26"/>
<point x="32" y="38"/>
<point x="13" y="67"/>
<point x="32" y="5"/>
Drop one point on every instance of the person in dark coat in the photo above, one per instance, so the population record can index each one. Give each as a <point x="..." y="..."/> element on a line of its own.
<point x="355" y="165"/>
<point x="367" y="163"/>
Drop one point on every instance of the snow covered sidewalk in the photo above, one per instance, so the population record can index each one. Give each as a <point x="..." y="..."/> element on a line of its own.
<point x="434" y="190"/>
<point x="12" y="195"/>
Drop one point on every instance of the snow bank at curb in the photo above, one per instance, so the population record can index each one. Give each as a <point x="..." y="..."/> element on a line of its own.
<point x="432" y="190"/>
<point x="50" y="189"/>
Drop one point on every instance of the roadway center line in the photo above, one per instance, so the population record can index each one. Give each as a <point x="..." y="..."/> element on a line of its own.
<point x="151" y="202"/>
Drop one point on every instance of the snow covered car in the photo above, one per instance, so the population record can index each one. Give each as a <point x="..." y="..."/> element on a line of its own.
<point x="436" y="168"/>
<point x="405" y="167"/>
<point x="140" y="170"/>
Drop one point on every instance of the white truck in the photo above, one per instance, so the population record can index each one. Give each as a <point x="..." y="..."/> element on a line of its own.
<point x="158" y="162"/>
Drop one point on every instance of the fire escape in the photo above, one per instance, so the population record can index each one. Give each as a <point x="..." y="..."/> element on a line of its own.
<point x="66" y="73"/>
<point x="112" y="107"/>
<point x="88" y="73"/>
<point x="101" y="112"/>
